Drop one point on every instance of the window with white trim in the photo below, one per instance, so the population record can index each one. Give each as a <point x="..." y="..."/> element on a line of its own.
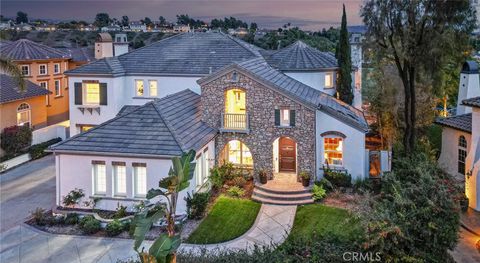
<point x="99" y="178"/>
<point x="328" y="80"/>
<point x="23" y="114"/>
<point x="140" y="180"/>
<point x="58" y="88"/>
<point x="153" y="88"/>
<point x="56" y="68"/>
<point x="42" y="69"/>
<point x="284" y="117"/>
<point x="91" y="93"/>
<point x="139" y="89"/>
<point x="25" y="70"/>
<point x="44" y="85"/>
<point x="462" y="154"/>
<point x="119" y="179"/>
<point x="333" y="151"/>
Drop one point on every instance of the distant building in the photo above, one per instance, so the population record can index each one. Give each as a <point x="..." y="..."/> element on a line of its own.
<point x="137" y="26"/>
<point x="88" y="28"/>
<point x="5" y="25"/>
<point x="46" y="27"/>
<point x="181" y="28"/>
<point x="23" y="27"/>
<point x="111" y="28"/>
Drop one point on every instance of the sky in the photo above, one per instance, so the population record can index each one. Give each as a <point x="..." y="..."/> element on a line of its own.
<point x="306" y="14"/>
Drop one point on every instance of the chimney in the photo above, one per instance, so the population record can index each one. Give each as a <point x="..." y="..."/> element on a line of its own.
<point x="103" y="46"/>
<point x="120" y="44"/>
<point x="469" y="85"/>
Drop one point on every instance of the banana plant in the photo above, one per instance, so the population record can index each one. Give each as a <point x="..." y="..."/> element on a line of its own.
<point x="163" y="249"/>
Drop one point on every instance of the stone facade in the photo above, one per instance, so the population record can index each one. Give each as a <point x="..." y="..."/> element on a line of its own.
<point x="261" y="103"/>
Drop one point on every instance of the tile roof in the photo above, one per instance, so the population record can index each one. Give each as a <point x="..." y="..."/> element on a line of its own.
<point x="460" y="122"/>
<point x="290" y="87"/>
<point x="80" y="54"/>
<point x="24" y="49"/>
<point x="194" y="53"/>
<point x="300" y="56"/>
<point x="164" y="127"/>
<point x="9" y="90"/>
<point x="473" y="102"/>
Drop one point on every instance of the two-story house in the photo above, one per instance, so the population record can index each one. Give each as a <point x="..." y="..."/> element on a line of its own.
<point x="211" y="93"/>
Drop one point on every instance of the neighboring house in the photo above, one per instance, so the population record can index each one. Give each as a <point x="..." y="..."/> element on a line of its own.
<point x="460" y="153"/>
<point x="21" y="108"/>
<point x="181" y="28"/>
<point x="138" y="26"/>
<point x="241" y="107"/>
<point x="112" y="28"/>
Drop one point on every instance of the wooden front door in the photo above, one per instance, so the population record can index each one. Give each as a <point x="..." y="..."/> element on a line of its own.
<point x="287" y="154"/>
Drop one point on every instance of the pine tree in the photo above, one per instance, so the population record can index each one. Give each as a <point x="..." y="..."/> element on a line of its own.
<point x="344" y="83"/>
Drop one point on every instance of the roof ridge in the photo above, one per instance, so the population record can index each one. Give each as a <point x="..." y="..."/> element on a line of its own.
<point x="151" y="44"/>
<point x="243" y="44"/>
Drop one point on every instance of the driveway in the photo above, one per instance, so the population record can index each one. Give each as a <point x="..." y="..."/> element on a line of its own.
<point x="25" y="188"/>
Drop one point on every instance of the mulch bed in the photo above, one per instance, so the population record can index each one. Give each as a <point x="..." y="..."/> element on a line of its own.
<point x="348" y="201"/>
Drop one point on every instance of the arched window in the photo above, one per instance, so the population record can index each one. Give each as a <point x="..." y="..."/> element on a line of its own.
<point x="462" y="154"/>
<point x="237" y="153"/>
<point x="23" y="114"/>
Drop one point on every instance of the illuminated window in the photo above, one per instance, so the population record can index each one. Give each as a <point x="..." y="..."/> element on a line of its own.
<point x="235" y="101"/>
<point x="140" y="180"/>
<point x="139" y="91"/>
<point x="23" y="114"/>
<point x="58" y="88"/>
<point x="284" y="117"/>
<point x="56" y="68"/>
<point x="333" y="151"/>
<point x="462" y="154"/>
<point x="329" y="80"/>
<point x="153" y="88"/>
<point x="42" y="69"/>
<point x="120" y="179"/>
<point x="99" y="178"/>
<point x="238" y="153"/>
<point x="25" y="70"/>
<point x="92" y="93"/>
<point x="84" y="128"/>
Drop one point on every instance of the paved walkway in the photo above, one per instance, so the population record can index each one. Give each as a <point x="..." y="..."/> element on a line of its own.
<point x="466" y="250"/>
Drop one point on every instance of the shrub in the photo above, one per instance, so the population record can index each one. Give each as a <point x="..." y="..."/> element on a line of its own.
<point x="89" y="225"/>
<point x="114" y="228"/>
<point x="38" y="216"/>
<point x="38" y="150"/>
<point x="235" y="191"/>
<point x="362" y="185"/>
<point x="239" y="181"/>
<point x="318" y="192"/>
<point x="121" y="212"/>
<point x="15" y="139"/>
<point x="338" y="178"/>
<point x="325" y="184"/>
<point x="197" y="204"/>
<point x="71" y="219"/>
<point x="219" y="174"/>
<point x="73" y="197"/>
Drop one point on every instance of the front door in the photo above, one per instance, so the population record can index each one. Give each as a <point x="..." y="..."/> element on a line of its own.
<point x="287" y="153"/>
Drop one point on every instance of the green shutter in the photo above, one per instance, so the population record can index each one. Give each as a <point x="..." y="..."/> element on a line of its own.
<point x="277" y="117"/>
<point x="292" y="118"/>
<point x="103" y="94"/>
<point x="78" y="93"/>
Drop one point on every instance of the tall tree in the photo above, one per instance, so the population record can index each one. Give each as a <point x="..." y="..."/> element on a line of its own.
<point x="10" y="68"/>
<point x="414" y="35"/>
<point x="147" y="21"/>
<point x="344" y="84"/>
<point x="21" y="17"/>
<point x="125" y="21"/>
<point x="162" y="20"/>
<point x="102" y="19"/>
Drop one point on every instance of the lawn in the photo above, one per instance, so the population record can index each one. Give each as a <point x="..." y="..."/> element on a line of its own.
<point x="319" y="219"/>
<point x="229" y="218"/>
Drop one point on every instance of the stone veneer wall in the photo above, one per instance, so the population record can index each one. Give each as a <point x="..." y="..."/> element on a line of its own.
<point x="261" y="104"/>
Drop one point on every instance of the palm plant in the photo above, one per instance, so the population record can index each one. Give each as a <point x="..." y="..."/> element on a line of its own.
<point x="165" y="246"/>
<point x="10" y="68"/>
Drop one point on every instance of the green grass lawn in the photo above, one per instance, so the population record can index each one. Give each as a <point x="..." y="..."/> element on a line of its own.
<point x="228" y="219"/>
<point x="319" y="219"/>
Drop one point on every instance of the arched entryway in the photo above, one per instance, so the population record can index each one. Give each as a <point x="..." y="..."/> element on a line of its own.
<point x="285" y="155"/>
<point x="238" y="153"/>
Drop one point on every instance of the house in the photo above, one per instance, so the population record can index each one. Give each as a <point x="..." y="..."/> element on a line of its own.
<point x="138" y="26"/>
<point x="23" y="27"/>
<point x="111" y="28"/>
<point x="181" y="28"/>
<point x="21" y="107"/>
<point x="460" y="153"/>
<point x="46" y="27"/>
<point x="211" y="93"/>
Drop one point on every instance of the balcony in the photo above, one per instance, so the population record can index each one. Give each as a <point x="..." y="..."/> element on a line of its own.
<point x="234" y="122"/>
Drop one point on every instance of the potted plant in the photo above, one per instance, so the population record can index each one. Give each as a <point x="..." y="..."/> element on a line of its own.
<point x="262" y="174"/>
<point x="464" y="203"/>
<point x="305" y="176"/>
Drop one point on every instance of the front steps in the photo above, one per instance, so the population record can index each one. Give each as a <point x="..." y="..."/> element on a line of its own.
<point x="273" y="196"/>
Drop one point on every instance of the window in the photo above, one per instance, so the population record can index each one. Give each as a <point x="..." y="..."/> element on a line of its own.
<point x="92" y="93"/>
<point x="462" y="154"/>
<point x="329" y="80"/>
<point x="140" y="179"/>
<point x="23" y="114"/>
<point x="202" y="168"/>
<point x="119" y="179"/>
<point x="333" y="151"/>
<point x="56" y="68"/>
<point x="58" y="88"/>
<point x="84" y="128"/>
<point x="42" y="69"/>
<point x="153" y="88"/>
<point x="238" y="153"/>
<point x="25" y="70"/>
<point x="44" y="85"/>
<point x="139" y="91"/>
<point x="99" y="178"/>
<point x="284" y="117"/>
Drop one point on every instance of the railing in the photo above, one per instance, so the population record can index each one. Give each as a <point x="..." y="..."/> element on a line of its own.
<point x="235" y="122"/>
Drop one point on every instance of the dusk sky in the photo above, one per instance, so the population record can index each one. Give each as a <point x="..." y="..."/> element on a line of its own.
<point x="307" y="14"/>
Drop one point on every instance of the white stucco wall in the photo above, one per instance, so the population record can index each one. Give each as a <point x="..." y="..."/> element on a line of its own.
<point x="472" y="183"/>
<point x="314" y="79"/>
<point x="354" y="157"/>
<point x="75" y="171"/>
<point x="448" y="159"/>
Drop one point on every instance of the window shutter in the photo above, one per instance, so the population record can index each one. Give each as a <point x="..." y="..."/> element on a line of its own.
<point x="103" y="93"/>
<point x="292" y="118"/>
<point x="277" y="117"/>
<point x="78" y="93"/>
